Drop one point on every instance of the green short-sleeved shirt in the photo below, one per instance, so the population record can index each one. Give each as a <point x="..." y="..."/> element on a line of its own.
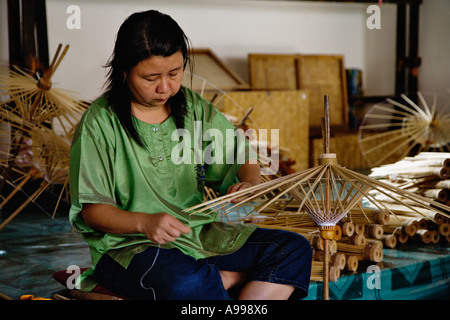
<point x="168" y="175"/>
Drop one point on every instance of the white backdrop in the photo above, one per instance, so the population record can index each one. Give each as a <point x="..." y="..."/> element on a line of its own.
<point x="232" y="29"/>
<point x="235" y="28"/>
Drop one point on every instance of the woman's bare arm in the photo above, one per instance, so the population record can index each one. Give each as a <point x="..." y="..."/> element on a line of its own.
<point x="160" y="227"/>
<point x="248" y="175"/>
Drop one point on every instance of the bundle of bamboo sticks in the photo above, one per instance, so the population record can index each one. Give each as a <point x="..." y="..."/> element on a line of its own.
<point x="354" y="241"/>
<point x="365" y="226"/>
<point x="426" y="174"/>
<point x="406" y="225"/>
<point x="359" y="237"/>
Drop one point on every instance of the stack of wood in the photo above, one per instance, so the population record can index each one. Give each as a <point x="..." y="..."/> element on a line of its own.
<point x="427" y="227"/>
<point x="363" y="233"/>
<point x="360" y="236"/>
<point x="354" y="241"/>
<point x="427" y="174"/>
<point x="425" y="166"/>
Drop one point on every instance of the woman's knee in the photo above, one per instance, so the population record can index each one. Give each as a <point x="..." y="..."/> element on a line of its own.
<point x="299" y="246"/>
<point x="292" y="242"/>
<point x="300" y="241"/>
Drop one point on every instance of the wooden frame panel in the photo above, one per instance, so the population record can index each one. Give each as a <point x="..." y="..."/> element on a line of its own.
<point x="317" y="74"/>
<point x="320" y="75"/>
<point x="273" y="72"/>
<point x="284" y="110"/>
<point x="211" y="74"/>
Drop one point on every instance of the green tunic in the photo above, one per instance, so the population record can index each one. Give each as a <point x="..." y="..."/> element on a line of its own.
<point x="169" y="175"/>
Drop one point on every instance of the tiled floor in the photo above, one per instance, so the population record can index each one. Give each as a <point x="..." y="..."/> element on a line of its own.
<point x="32" y="247"/>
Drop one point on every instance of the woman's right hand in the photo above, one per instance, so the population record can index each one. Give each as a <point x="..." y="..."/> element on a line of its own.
<point x="161" y="227"/>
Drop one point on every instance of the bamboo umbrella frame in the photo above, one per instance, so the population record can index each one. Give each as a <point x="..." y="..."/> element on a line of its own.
<point x="37" y="122"/>
<point x="327" y="193"/>
<point x="47" y="157"/>
<point x="36" y="100"/>
<point x="396" y="128"/>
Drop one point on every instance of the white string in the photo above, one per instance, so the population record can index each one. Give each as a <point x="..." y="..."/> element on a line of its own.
<point x="141" y="282"/>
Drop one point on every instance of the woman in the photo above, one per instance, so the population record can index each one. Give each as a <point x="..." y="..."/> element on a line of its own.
<point x="128" y="193"/>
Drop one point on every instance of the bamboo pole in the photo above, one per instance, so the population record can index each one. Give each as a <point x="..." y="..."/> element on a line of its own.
<point x="351" y="263"/>
<point x="339" y="260"/>
<point x="28" y="176"/>
<point x="401" y="237"/>
<point x="318" y="273"/>
<point x="401" y="210"/>
<point x="5" y="297"/>
<point x="33" y="197"/>
<point x="375" y="231"/>
<point x="358" y="239"/>
<point x="337" y="232"/>
<point x="359" y="228"/>
<point x="425" y="236"/>
<point x="389" y="240"/>
<point x="326" y="261"/>
<point x="348" y="228"/>
<point x="444" y="229"/>
<point x="370" y="252"/>
<point x="368" y="215"/>
<point x="407" y="227"/>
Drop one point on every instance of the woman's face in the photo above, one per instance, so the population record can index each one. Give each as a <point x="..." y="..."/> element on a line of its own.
<point x="154" y="80"/>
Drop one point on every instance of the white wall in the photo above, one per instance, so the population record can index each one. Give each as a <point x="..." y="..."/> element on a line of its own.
<point x="232" y="29"/>
<point x="235" y="28"/>
<point x="4" y="53"/>
<point x="434" y="40"/>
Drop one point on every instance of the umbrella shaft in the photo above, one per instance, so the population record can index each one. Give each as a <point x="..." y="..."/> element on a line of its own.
<point x="326" y="271"/>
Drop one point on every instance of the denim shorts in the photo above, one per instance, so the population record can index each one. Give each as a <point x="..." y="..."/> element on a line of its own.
<point x="275" y="256"/>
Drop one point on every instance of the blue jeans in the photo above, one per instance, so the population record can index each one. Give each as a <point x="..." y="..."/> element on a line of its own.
<point x="276" y="256"/>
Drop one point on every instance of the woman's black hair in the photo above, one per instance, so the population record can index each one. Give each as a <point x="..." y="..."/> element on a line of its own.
<point x="142" y="35"/>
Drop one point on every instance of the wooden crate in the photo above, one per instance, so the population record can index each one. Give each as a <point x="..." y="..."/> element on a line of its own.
<point x="319" y="74"/>
<point x="285" y="110"/>
<point x="211" y="74"/>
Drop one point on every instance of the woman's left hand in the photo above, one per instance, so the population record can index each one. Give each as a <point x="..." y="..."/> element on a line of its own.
<point x="238" y="187"/>
<point x="250" y="175"/>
